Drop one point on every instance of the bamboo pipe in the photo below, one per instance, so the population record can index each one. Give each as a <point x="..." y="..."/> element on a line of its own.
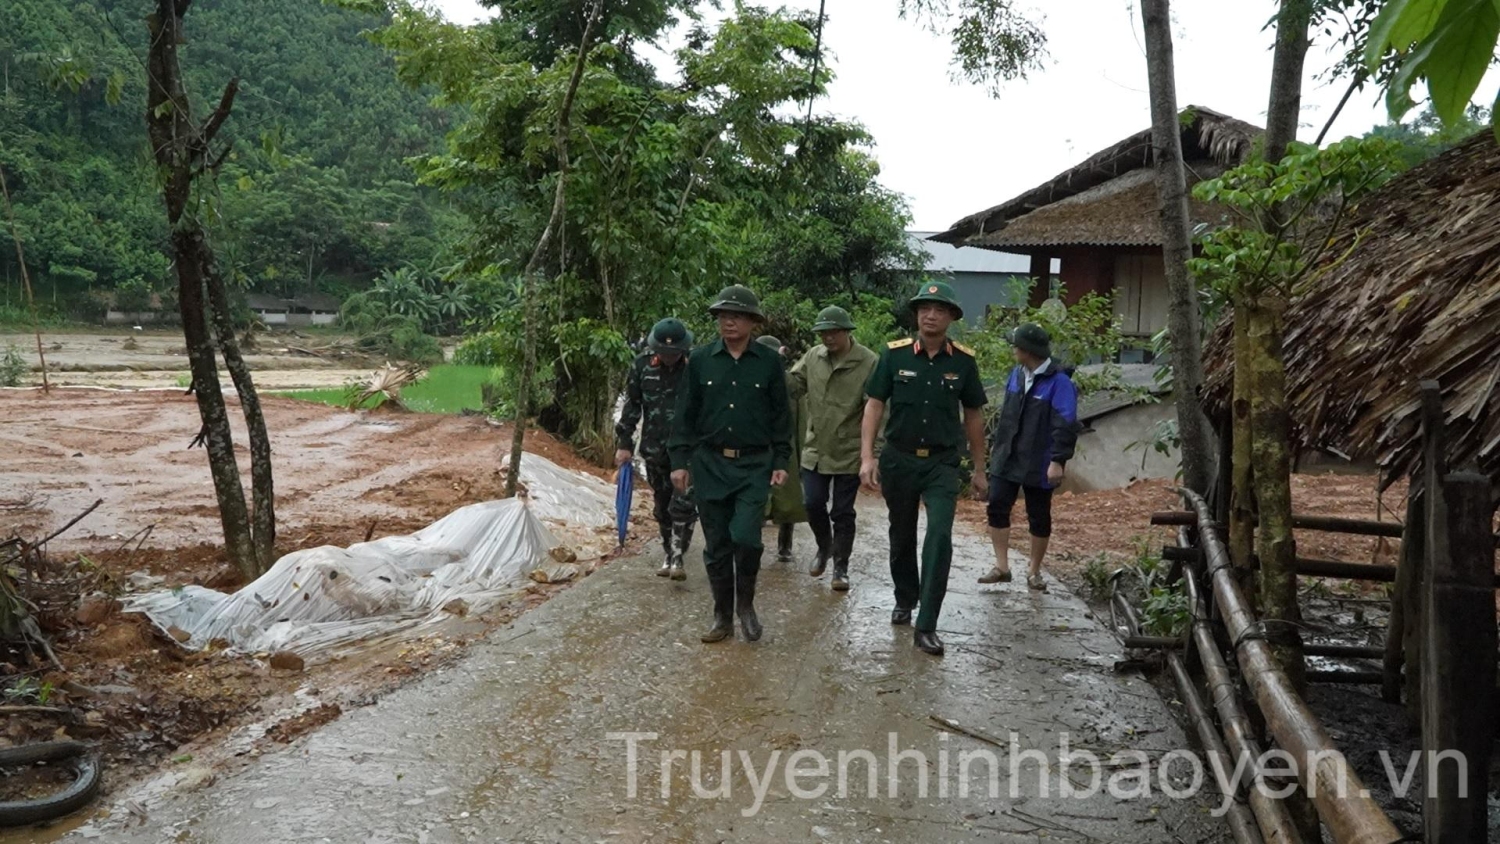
<point x="1275" y="823"/>
<point x="1342" y="801"/>
<point x="1241" y="822"/>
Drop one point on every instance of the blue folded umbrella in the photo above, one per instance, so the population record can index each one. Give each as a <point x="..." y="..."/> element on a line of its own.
<point x="624" y="493"/>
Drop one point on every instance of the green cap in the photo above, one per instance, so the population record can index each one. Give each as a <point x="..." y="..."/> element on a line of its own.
<point x="833" y="318"/>
<point x="936" y="291"/>
<point x="737" y="298"/>
<point x="768" y="340"/>
<point x="1032" y="338"/>
<point x="670" y="335"/>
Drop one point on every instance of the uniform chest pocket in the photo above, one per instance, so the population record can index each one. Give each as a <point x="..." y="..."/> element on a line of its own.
<point x="904" y="387"/>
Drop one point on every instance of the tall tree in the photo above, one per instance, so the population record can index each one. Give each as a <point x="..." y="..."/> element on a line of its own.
<point x="1263" y="311"/>
<point x="184" y="152"/>
<point x="1183" y="318"/>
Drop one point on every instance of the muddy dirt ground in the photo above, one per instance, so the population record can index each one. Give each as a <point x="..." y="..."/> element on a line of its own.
<point x="341" y="478"/>
<point x="156" y="358"/>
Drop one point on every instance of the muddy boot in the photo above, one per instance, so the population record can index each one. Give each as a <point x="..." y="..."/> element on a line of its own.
<point x="682" y="535"/>
<point x="784" y="544"/>
<point x="666" y="549"/>
<point x="843" y="546"/>
<point x="723" y="591"/>
<point x="747" y="568"/>
<point x="825" y="546"/>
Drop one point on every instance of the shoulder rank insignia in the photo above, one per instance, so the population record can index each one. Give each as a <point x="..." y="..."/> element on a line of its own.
<point x="900" y="344"/>
<point x="965" y="349"/>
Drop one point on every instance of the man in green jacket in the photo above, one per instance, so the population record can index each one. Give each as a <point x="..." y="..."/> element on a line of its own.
<point x="732" y="429"/>
<point x="831" y="378"/>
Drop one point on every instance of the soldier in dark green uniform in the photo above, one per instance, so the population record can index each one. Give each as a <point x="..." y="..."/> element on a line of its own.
<point x="651" y="393"/>
<point x="934" y="394"/>
<point x="732" y="431"/>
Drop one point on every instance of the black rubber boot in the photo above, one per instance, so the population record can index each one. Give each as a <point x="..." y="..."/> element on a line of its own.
<point x="927" y="641"/>
<point x="666" y="553"/>
<point x="843" y="546"/>
<point x="825" y="547"/>
<point x="784" y="544"/>
<point x="747" y="569"/>
<point x="723" y="591"/>
<point x="682" y="535"/>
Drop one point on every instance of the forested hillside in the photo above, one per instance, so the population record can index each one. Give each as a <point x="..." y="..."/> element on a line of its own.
<point x="316" y="187"/>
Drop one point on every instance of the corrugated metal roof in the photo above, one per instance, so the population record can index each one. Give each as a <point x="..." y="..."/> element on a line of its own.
<point x="944" y="258"/>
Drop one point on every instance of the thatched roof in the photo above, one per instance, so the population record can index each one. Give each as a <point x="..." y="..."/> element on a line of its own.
<point x="1418" y="298"/>
<point x="1108" y="199"/>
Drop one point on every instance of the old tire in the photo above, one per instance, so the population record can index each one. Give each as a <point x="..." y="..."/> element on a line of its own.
<point x="87" y="776"/>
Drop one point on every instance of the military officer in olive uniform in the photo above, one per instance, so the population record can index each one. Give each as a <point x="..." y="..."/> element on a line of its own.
<point x="932" y="388"/>
<point x="651" y="394"/>
<point x="731" y="434"/>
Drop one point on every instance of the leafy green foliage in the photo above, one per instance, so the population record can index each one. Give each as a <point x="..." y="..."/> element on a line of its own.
<point x="326" y="200"/>
<point x="1448" y="44"/>
<point x="1288" y="213"/>
<point x="671" y="191"/>
<point x="993" y="40"/>
<point x="1086" y="332"/>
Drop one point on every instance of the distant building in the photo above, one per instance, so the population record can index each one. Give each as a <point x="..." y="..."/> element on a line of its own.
<point x="271" y="310"/>
<point x="308" y="309"/>
<point x="982" y="278"/>
<point x="1100" y="220"/>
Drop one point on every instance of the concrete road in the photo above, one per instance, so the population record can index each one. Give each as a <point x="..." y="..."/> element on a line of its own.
<point x="522" y="740"/>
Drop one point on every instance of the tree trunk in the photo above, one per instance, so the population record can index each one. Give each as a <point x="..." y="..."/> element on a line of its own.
<point x="181" y="151"/>
<point x="1183" y="319"/>
<point x="554" y="223"/>
<point x="1242" y="491"/>
<point x="1271" y="454"/>
<point x="262" y="485"/>
<point x="1285" y="108"/>
<point x="188" y="247"/>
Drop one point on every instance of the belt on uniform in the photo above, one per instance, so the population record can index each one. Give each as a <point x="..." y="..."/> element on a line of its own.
<point x="736" y="453"/>
<point x="927" y="451"/>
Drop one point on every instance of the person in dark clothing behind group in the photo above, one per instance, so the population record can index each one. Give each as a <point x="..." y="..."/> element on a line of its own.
<point x="1033" y="440"/>
<point x="651" y="395"/>
<point x="730" y="436"/>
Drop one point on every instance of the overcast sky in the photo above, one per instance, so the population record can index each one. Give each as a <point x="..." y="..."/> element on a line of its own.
<point x="953" y="150"/>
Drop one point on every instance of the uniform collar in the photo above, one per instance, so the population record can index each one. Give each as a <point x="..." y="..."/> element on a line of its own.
<point x="919" y="349"/>
<point x="719" y="347"/>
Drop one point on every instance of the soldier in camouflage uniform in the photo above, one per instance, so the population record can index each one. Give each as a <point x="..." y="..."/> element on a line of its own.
<point x="651" y="392"/>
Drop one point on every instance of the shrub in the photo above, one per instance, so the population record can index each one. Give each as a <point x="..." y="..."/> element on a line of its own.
<point x="13" y="367"/>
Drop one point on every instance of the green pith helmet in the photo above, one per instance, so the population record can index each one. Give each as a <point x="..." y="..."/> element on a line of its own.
<point x="670" y="335"/>
<point x="768" y="340"/>
<point x="737" y="298"/>
<point x="937" y="291"/>
<point x="833" y="318"/>
<point x="1032" y="338"/>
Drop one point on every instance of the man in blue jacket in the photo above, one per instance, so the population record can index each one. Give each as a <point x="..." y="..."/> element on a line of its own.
<point x="1033" y="440"/>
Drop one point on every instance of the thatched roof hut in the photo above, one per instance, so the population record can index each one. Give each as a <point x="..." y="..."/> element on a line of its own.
<point x="1418" y="297"/>
<point x="1110" y="199"/>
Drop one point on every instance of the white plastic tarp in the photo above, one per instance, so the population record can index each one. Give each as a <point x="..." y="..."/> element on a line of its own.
<point x="322" y="597"/>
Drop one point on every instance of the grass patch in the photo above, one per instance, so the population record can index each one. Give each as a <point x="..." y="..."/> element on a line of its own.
<point x="449" y="388"/>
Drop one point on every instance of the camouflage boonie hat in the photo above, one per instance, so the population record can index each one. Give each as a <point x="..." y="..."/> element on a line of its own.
<point x="670" y="335"/>
<point x="937" y="291"/>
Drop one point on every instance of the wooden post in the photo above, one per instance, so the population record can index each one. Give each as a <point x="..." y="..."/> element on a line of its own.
<point x="1408" y="573"/>
<point x="1434" y="543"/>
<point x="1458" y="664"/>
<point x="1041" y="278"/>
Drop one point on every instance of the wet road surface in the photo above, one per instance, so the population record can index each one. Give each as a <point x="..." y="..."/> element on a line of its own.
<point x="520" y="740"/>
